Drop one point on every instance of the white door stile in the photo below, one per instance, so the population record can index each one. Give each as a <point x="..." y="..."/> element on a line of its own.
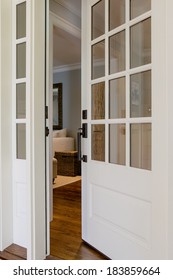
<point x="84" y="104"/>
<point x="50" y="83"/>
<point x="49" y="156"/>
<point x="160" y="132"/>
<point x="169" y="63"/>
<point x="0" y="149"/>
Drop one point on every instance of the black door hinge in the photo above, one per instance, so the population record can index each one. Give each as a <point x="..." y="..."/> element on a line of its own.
<point x="47" y="131"/>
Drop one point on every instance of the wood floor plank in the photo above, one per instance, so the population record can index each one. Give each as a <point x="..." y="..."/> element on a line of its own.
<point x="65" y="233"/>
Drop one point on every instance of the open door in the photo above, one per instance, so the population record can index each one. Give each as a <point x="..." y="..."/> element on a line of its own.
<point x="124" y="179"/>
<point x="28" y="96"/>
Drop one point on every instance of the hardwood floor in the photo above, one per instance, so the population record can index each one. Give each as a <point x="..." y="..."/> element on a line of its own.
<point x="65" y="233"/>
<point x="14" y="252"/>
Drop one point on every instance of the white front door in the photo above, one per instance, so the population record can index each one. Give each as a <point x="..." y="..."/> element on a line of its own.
<point x="124" y="180"/>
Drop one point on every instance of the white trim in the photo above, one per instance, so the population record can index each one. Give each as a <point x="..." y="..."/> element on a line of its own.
<point x="169" y="61"/>
<point x="6" y="209"/>
<point x="49" y="190"/>
<point x="65" y="25"/>
<point x="64" y="68"/>
<point x="20" y="1"/>
<point x="0" y="146"/>
<point x="36" y="218"/>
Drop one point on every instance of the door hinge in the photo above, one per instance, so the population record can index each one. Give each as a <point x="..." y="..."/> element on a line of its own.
<point x="84" y="130"/>
<point x="47" y="131"/>
<point x="46" y="112"/>
<point x="84" y="114"/>
<point x="84" y="158"/>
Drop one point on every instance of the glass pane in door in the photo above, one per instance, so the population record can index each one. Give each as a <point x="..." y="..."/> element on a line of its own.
<point x="117" y="98"/>
<point x="140" y="146"/>
<point x="140" y="94"/>
<point x="117" y="52"/>
<point x="21" y="20"/>
<point x="98" y="142"/>
<point x="98" y="60"/>
<point x="117" y="144"/>
<point x="116" y="13"/>
<point x="21" y="61"/>
<point x="21" y="101"/>
<point x="139" y="7"/>
<point x="140" y="41"/>
<point x="98" y="101"/>
<point x="21" y="141"/>
<point x="98" y="19"/>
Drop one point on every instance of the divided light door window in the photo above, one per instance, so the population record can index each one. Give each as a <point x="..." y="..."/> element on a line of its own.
<point x="121" y="90"/>
<point x="20" y="117"/>
<point x="21" y="80"/>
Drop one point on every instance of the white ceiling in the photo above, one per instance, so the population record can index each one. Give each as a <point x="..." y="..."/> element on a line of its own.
<point x="67" y="44"/>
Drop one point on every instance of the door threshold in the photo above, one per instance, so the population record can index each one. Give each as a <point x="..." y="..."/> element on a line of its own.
<point x="14" y="252"/>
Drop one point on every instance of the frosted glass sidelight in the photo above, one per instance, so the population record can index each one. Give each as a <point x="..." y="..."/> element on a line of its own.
<point x="21" y="101"/>
<point x="117" y="53"/>
<point x="98" y="19"/>
<point x="21" y="60"/>
<point x="98" y="60"/>
<point x="116" y="13"/>
<point x="140" y="43"/>
<point x="140" y="144"/>
<point x="98" y="142"/>
<point x="117" y="98"/>
<point x="21" y="20"/>
<point x="117" y="144"/>
<point x="21" y="141"/>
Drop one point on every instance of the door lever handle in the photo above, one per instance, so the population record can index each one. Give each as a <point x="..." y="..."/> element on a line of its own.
<point x="79" y="135"/>
<point x="82" y="132"/>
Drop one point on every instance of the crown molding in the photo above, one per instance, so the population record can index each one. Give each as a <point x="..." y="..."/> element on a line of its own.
<point x="65" y="25"/>
<point x="68" y="7"/>
<point x="65" y="68"/>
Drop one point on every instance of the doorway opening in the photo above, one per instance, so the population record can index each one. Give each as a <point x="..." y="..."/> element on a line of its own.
<point x="66" y="76"/>
<point x="65" y="228"/>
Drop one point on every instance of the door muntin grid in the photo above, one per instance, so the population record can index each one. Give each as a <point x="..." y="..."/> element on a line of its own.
<point x="126" y="71"/>
<point x="20" y="98"/>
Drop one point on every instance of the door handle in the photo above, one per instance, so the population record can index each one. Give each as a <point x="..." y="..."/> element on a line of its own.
<point x="82" y="133"/>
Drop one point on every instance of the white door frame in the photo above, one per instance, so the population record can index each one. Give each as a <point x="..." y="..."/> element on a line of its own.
<point x="37" y="214"/>
<point x="6" y="222"/>
<point x="36" y="245"/>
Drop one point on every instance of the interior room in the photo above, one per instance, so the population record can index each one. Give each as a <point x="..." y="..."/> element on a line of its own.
<point x="66" y="18"/>
<point x="65" y="228"/>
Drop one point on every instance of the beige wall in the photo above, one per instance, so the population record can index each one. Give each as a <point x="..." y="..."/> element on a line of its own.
<point x="71" y="81"/>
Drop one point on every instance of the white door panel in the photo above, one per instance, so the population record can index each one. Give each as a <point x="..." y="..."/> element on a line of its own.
<point x="124" y="196"/>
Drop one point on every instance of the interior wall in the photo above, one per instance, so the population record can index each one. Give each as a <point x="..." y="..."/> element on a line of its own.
<point x="71" y="81"/>
<point x="6" y="199"/>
